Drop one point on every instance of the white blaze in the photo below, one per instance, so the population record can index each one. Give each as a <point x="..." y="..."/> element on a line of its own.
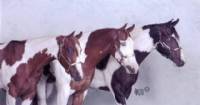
<point x="81" y="58"/>
<point x="127" y="50"/>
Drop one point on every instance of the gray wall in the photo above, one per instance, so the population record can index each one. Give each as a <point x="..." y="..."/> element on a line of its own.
<point x="169" y="85"/>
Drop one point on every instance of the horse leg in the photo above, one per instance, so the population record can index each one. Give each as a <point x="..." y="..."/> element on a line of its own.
<point x="41" y="91"/>
<point x="63" y="80"/>
<point x="9" y="99"/>
<point x="84" y="94"/>
<point x="27" y="102"/>
<point x="63" y="94"/>
<point x="119" y="96"/>
<point x="78" y="98"/>
<point x="35" y="100"/>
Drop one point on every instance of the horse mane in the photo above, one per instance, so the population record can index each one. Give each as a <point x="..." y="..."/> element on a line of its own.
<point x="148" y="26"/>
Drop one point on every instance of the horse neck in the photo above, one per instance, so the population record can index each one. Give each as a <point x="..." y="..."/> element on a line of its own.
<point x="96" y="50"/>
<point x="143" y="44"/>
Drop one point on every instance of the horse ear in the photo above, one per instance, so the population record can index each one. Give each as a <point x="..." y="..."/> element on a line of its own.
<point x="124" y="26"/>
<point x="72" y="34"/>
<point x="169" y="22"/>
<point x="175" y="22"/>
<point x="146" y="27"/>
<point x="78" y="36"/>
<point x="131" y="28"/>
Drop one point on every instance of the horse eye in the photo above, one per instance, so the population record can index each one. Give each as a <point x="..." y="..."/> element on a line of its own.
<point x="69" y="51"/>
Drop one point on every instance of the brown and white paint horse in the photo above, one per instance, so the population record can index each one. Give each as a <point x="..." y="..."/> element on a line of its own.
<point x="111" y="76"/>
<point x="96" y="45"/>
<point x="22" y="62"/>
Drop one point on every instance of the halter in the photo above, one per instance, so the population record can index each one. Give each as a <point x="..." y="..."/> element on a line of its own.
<point x="66" y="60"/>
<point x="122" y="57"/>
<point x="166" y="46"/>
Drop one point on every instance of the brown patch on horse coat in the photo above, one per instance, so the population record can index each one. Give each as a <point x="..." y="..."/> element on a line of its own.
<point x="122" y="84"/>
<point x="12" y="53"/>
<point x="69" y="54"/>
<point x="24" y="86"/>
<point x="107" y="40"/>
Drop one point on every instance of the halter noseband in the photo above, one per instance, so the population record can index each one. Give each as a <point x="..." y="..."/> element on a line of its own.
<point x="166" y="46"/>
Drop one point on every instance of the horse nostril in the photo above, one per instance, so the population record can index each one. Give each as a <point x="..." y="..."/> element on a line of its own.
<point x="182" y="63"/>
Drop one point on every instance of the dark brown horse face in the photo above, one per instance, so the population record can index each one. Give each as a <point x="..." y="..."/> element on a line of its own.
<point x="69" y="50"/>
<point x="171" y="49"/>
<point x="167" y="40"/>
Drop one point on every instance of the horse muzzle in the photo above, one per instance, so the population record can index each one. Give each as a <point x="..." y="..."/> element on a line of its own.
<point x="180" y="64"/>
<point x="131" y="70"/>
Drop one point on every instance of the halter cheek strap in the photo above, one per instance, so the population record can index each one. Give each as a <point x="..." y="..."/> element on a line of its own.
<point x="166" y="46"/>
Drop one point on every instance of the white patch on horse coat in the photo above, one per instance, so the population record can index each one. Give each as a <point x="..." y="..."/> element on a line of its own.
<point x="142" y="39"/>
<point x="63" y="84"/>
<point x="104" y="78"/>
<point x="6" y="72"/>
<point x="27" y="102"/>
<point x="41" y="90"/>
<point x="85" y="93"/>
<point x="98" y="79"/>
<point x="182" y="55"/>
<point x="83" y="42"/>
<point x="79" y="68"/>
<point x="31" y="48"/>
<point x="50" y="87"/>
<point x="127" y="50"/>
<point x="81" y="58"/>
<point x="9" y="99"/>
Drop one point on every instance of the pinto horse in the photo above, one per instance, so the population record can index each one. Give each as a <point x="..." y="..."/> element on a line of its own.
<point x="111" y="76"/>
<point x="97" y="45"/>
<point x="22" y="62"/>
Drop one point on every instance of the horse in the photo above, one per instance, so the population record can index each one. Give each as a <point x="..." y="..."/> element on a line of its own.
<point x="22" y="62"/>
<point x="116" y="42"/>
<point x="163" y="37"/>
